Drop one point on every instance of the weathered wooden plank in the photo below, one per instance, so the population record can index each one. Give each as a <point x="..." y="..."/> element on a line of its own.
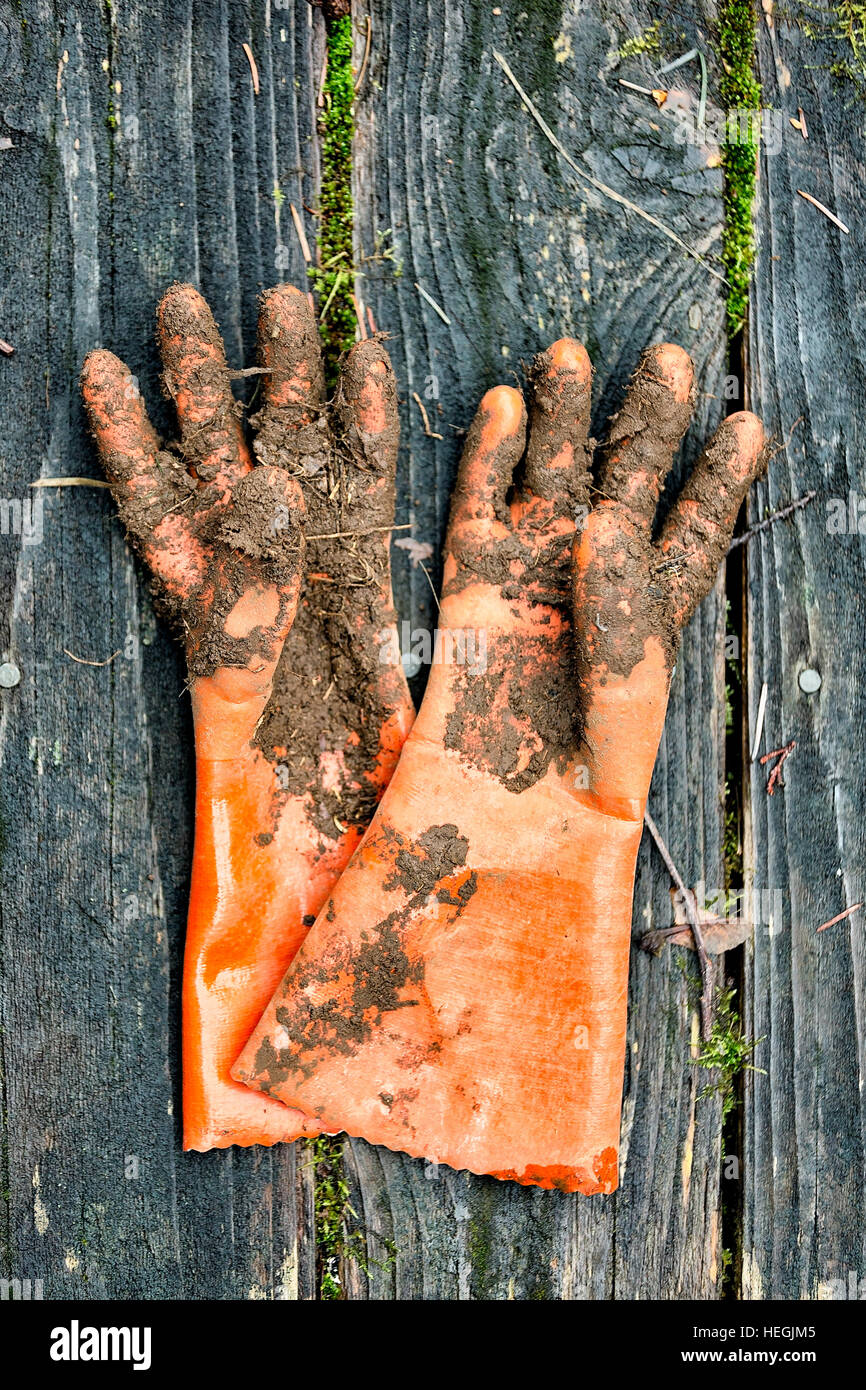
<point x="501" y="238"/>
<point x="804" y="1149"/>
<point x="458" y="190"/>
<point x="140" y="155"/>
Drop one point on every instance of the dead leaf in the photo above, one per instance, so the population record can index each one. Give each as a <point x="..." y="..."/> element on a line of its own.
<point x="416" y="550"/>
<point x="720" y="933"/>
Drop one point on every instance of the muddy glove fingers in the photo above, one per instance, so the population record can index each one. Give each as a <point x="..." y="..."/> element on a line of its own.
<point x="349" y="480"/>
<point x="249" y="518"/>
<point x="558" y="455"/>
<point x="291" y="429"/>
<point x="644" y="437"/>
<point x="697" y="534"/>
<point x="149" y="485"/>
<point x="221" y="538"/>
<point x="366" y="408"/>
<point x="493" y="449"/>
<point x="617" y="598"/>
<point x="631" y="596"/>
<point x="196" y="377"/>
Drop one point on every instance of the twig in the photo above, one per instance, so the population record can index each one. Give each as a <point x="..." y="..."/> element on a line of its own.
<point x="432" y="302"/>
<point x="359" y="315"/>
<point x="430" y="582"/>
<point x="776" y="774"/>
<point x="184" y="502"/>
<point x="678" y="62"/>
<point x="366" y="54"/>
<point x="372" y="322"/>
<point x="338" y="280"/>
<point x="596" y="183"/>
<point x="658" y="94"/>
<point x="840" y="917"/>
<point x="253" y="69"/>
<point x="6" y="348"/>
<point x="702" y="104"/>
<point x="633" y="87"/>
<point x="759" y="723"/>
<point x="373" y="531"/>
<point x="688" y="905"/>
<point x="780" y="448"/>
<point x="332" y="260"/>
<point x="826" y="211"/>
<point x="431" y="434"/>
<point x="302" y="236"/>
<point x="320" y="99"/>
<point x="70" y="482"/>
<point x="82" y="660"/>
<point x="770" y="520"/>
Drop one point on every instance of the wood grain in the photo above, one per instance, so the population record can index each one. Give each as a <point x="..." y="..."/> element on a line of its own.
<point x="184" y="173"/>
<point x="804" y="1144"/>
<point x="459" y="189"/>
<point x="110" y="193"/>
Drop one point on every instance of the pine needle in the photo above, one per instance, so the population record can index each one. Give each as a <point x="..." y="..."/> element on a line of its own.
<point x="596" y="183"/>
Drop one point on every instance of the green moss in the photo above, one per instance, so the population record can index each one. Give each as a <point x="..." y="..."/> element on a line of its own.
<point x="333" y="283"/>
<point x="331" y="1203"/>
<point x="727" y="1051"/>
<point x="333" y="277"/>
<point x="732" y="852"/>
<point x="647" y="42"/>
<point x="851" y="26"/>
<point x="848" y="26"/>
<point x="842" y="25"/>
<point x="334" y="1241"/>
<point x="740" y="91"/>
<point x="479" y="1236"/>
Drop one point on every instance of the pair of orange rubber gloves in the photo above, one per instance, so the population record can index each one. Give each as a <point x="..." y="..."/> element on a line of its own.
<point x="415" y="932"/>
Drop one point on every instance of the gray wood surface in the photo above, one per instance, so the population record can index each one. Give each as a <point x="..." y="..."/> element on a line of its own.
<point x="109" y="195"/>
<point x="96" y="767"/>
<point x="483" y="214"/>
<point x="804" y="1150"/>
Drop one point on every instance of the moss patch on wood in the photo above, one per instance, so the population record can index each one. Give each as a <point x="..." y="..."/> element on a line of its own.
<point x="331" y="1205"/>
<point x="727" y="1052"/>
<point x="333" y="283"/>
<point x="334" y="276"/>
<point x="335" y="1242"/>
<point x="843" y="26"/>
<point x="740" y="93"/>
<point x="647" y="42"/>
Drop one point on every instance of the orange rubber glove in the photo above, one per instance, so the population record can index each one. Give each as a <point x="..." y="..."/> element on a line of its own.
<point x="464" y="997"/>
<point x="295" y="739"/>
